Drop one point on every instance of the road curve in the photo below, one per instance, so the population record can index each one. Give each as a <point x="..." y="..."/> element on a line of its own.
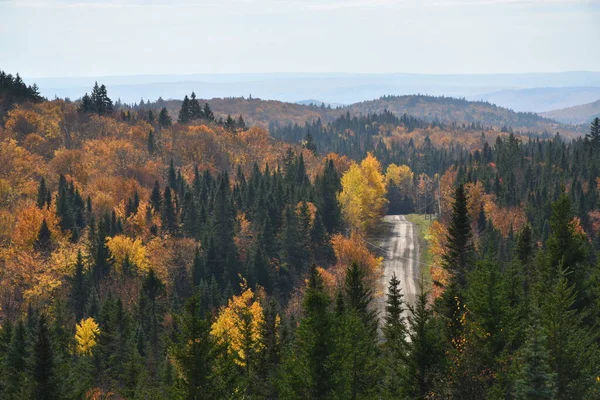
<point x="397" y="242"/>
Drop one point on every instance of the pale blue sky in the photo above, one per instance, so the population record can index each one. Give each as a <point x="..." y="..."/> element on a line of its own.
<point x="115" y="37"/>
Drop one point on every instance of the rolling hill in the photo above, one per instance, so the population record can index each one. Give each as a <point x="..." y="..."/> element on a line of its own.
<point x="430" y="108"/>
<point x="541" y="99"/>
<point x="582" y="114"/>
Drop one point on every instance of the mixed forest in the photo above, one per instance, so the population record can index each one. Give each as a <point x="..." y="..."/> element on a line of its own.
<point x="153" y="253"/>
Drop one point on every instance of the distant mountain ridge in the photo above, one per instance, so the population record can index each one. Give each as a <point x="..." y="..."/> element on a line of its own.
<point x="541" y="99"/>
<point x="430" y="108"/>
<point x="582" y="114"/>
<point x="338" y="88"/>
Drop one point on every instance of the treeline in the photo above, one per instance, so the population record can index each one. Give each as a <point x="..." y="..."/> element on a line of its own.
<point x="14" y="91"/>
<point x="348" y="135"/>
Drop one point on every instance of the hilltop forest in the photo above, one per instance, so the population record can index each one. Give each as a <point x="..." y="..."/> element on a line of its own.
<point x="153" y="252"/>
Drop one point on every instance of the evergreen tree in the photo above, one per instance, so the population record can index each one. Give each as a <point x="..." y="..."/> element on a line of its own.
<point x="195" y="352"/>
<point x="155" y="197"/>
<point x="594" y="135"/>
<point x="185" y="113"/>
<point x="306" y="372"/>
<point x="79" y="288"/>
<point x="43" y="242"/>
<point x="356" y="355"/>
<point x="168" y="212"/>
<point x="457" y="260"/>
<point x="207" y="113"/>
<point x="43" y="194"/>
<point x="15" y="364"/>
<point x="195" y="109"/>
<point x="164" y="120"/>
<point x="425" y="353"/>
<point x="241" y="124"/>
<point x="309" y="143"/>
<point x="229" y="123"/>
<point x="535" y="380"/>
<point x="328" y="186"/>
<point x="151" y="143"/>
<point x="571" y="344"/>
<point x="44" y="380"/>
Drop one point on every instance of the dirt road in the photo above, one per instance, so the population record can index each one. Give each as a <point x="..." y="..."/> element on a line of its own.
<point x="397" y="241"/>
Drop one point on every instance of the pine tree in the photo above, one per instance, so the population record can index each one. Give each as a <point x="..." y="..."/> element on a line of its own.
<point x="44" y="380"/>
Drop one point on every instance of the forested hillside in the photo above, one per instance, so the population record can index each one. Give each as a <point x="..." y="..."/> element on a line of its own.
<point x="153" y="251"/>
<point x="581" y="114"/>
<point x="432" y="109"/>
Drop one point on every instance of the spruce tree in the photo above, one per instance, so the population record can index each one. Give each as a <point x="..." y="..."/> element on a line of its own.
<point x="185" y="112"/>
<point x="42" y="197"/>
<point x="241" y="124"/>
<point x="425" y="355"/>
<point x="156" y="198"/>
<point x="168" y="213"/>
<point x="43" y="242"/>
<point x="15" y="364"/>
<point x="151" y="143"/>
<point x="458" y="261"/>
<point x="395" y="334"/>
<point x="79" y="288"/>
<point x="194" y="352"/>
<point x="44" y="379"/>
<point x="594" y="135"/>
<point x="207" y="113"/>
<point x="306" y="372"/>
<point x="164" y="120"/>
<point x="535" y="380"/>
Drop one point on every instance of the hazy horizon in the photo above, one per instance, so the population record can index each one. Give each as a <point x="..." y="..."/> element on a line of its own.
<point x="148" y="37"/>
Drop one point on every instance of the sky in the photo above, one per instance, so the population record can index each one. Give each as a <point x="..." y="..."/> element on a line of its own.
<point x="55" y="38"/>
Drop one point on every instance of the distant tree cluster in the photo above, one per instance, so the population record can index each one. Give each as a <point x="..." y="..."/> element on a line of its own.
<point x="14" y="91"/>
<point x="191" y="110"/>
<point x="98" y="103"/>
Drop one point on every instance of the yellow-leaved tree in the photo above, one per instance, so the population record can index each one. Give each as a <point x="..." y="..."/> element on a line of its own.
<point x="122" y="247"/>
<point x="363" y="194"/>
<point x="86" y="333"/>
<point x="238" y="326"/>
<point x="400" y="175"/>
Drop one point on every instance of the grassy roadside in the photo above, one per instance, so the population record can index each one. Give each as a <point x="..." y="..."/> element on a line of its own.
<point x="425" y="256"/>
